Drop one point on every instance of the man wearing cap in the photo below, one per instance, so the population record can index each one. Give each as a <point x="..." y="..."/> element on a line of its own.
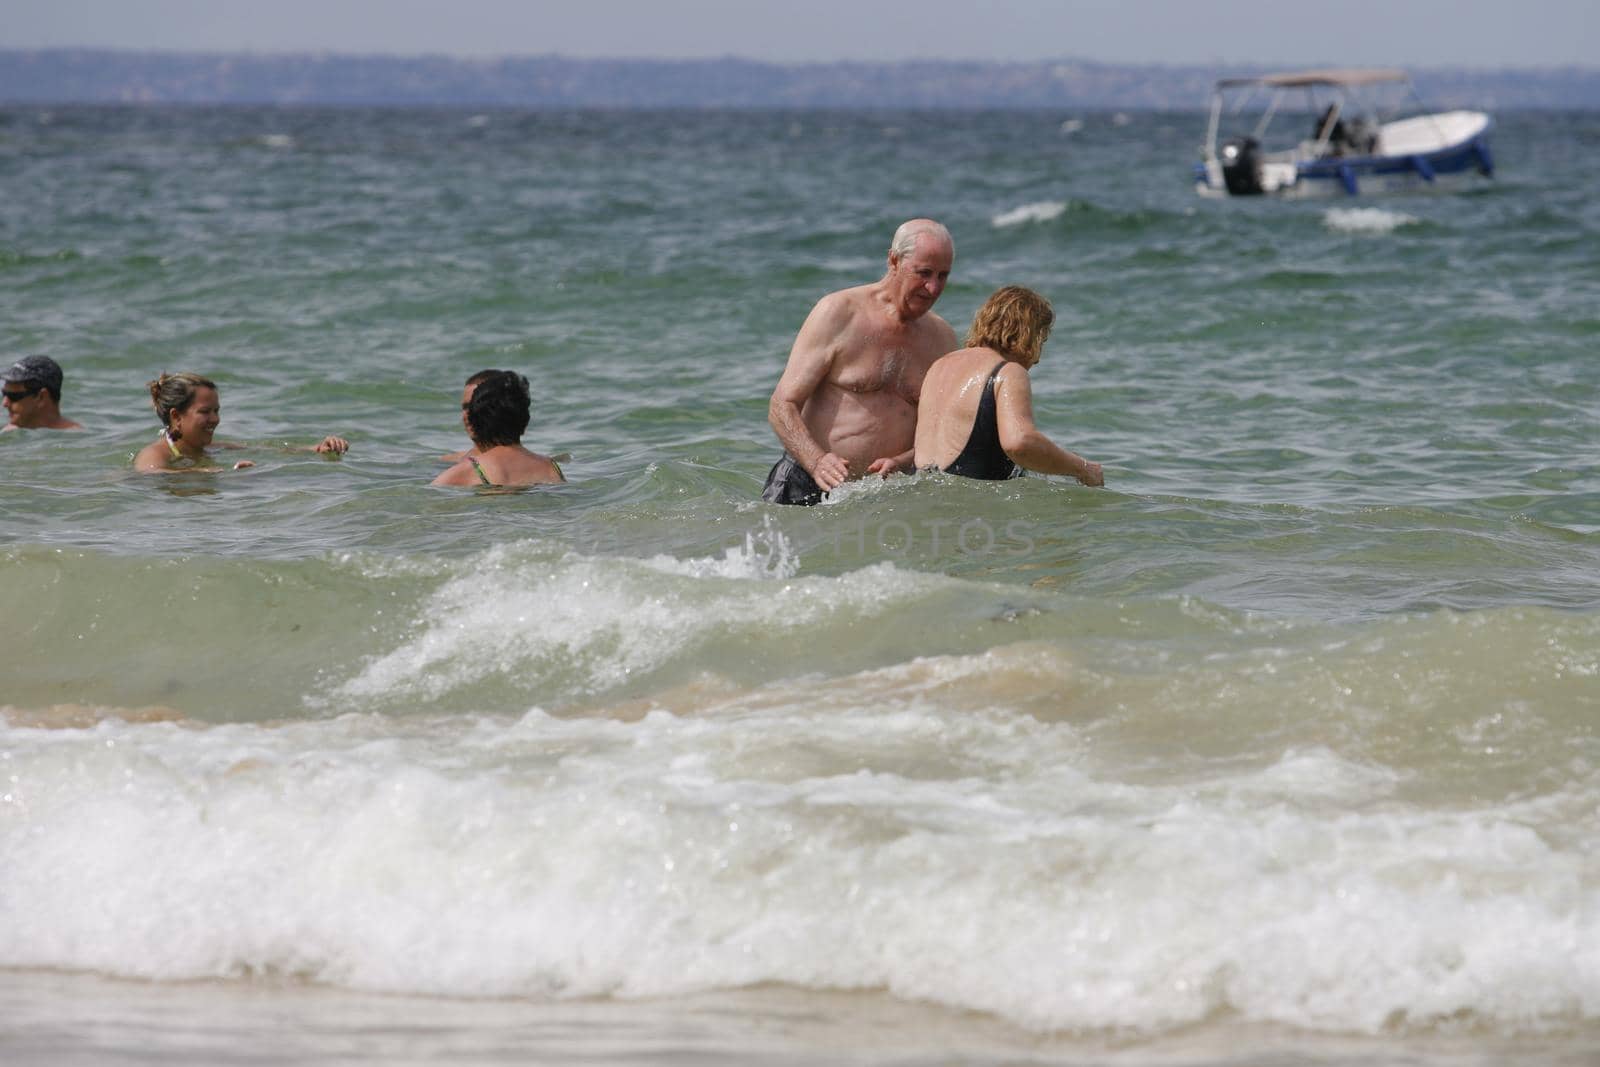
<point x="33" y="396"/>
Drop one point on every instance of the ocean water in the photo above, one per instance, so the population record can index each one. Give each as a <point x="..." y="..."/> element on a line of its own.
<point x="1284" y="747"/>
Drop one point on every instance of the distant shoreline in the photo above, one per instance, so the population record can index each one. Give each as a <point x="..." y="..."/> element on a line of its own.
<point x="552" y="82"/>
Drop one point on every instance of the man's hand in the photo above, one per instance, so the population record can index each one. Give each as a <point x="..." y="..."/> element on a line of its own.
<point x="830" y="471"/>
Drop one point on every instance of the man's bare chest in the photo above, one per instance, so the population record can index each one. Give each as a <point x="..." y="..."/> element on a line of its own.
<point x="879" y="364"/>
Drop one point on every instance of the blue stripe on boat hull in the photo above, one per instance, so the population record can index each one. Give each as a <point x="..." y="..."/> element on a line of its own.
<point x="1353" y="175"/>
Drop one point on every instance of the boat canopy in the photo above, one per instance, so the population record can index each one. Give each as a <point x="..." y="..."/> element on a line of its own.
<point x="1307" y="78"/>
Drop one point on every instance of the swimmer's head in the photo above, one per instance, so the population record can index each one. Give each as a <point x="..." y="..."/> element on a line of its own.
<point x="499" y="409"/>
<point x="920" y="258"/>
<point x="466" y="393"/>
<point x="36" y="374"/>
<point x="1015" y="322"/>
<point x="904" y="242"/>
<point x="171" y="394"/>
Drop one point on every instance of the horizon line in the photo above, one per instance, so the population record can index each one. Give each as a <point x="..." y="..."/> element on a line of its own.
<point x="731" y="57"/>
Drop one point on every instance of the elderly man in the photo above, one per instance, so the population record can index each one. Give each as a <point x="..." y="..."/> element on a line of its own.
<point x="846" y="405"/>
<point x="33" y="396"/>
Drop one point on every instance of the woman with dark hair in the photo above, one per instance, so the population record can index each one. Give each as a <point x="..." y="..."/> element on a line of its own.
<point x="496" y="416"/>
<point x="466" y="399"/>
<point x="975" y="416"/>
<point x="190" y="410"/>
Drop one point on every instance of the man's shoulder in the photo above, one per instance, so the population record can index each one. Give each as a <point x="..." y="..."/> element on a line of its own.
<point x="845" y="301"/>
<point x="938" y="332"/>
<point x="834" y="313"/>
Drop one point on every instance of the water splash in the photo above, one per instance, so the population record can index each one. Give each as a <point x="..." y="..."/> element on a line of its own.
<point x="1366" y="220"/>
<point x="1042" y="211"/>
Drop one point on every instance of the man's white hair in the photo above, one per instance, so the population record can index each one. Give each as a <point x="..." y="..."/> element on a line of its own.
<point x="905" y="238"/>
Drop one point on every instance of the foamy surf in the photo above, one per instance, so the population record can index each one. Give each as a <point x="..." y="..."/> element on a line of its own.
<point x="557" y="629"/>
<point x="764" y="554"/>
<point x="1042" y="211"/>
<point x="1368" y="220"/>
<point x="980" y="861"/>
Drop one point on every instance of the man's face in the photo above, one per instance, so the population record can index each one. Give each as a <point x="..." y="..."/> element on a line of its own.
<point x="25" y="402"/>
<point x="921" y="276"/>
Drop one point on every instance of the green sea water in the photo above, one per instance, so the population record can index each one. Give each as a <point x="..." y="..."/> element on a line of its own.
<point x="1287" y="736"/>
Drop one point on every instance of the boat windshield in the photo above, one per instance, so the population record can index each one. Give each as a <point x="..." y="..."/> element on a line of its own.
<point x="1311" y="113"/>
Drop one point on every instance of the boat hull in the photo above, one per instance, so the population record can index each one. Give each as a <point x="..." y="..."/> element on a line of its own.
<point x="1411" y="158"/>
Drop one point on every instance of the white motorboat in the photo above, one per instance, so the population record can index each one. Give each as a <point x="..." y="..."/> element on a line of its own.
<point x="1338" y="133"/>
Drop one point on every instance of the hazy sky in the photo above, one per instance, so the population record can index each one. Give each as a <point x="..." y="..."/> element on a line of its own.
<point x="1418" y="33"/>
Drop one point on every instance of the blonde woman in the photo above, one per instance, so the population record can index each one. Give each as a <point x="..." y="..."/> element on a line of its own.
<point x="975" y="416"/>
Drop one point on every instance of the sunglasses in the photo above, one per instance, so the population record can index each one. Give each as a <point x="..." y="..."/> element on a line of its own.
<point x="22" y="394"/>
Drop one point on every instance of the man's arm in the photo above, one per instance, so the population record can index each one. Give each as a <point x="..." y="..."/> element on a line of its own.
<point x="1024" y="442"/>
<point x="810" y="360"/>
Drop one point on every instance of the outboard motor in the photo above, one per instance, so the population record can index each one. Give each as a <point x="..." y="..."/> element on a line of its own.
<point x="1241" y="166"/>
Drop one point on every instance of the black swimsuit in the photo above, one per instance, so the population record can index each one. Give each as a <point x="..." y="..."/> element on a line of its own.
<point x="983" y="457"/>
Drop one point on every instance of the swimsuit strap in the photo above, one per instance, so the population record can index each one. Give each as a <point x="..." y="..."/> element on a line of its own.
<point x="994" y="376"/>
<point x="482" y="477"/>
<point x="559" y="475"/>
<point x="172" y="446"/>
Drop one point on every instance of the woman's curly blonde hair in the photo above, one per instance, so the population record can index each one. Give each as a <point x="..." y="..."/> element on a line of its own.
<point x="1015" y="322"/>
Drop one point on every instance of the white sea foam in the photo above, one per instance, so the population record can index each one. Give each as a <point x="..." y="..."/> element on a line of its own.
<point x="1366" y="220"/>
<point x="1043" y="211"/>
<point x="582" y="625"/>
<point x="765" y="554"/>
<point x="868" y="846"/>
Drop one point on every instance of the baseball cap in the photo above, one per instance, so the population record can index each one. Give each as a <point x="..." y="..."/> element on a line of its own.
<point x="41" y="369"/>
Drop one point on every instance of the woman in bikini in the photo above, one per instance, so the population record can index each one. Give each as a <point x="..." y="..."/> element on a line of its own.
<point x="975" y="416"/>
<point x="496" y="416"/>
<point x="190" y="410"/>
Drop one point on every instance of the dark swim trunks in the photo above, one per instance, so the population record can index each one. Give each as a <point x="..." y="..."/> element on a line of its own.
<point x="982" y="456"/>
<point x="788" y="483"/>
